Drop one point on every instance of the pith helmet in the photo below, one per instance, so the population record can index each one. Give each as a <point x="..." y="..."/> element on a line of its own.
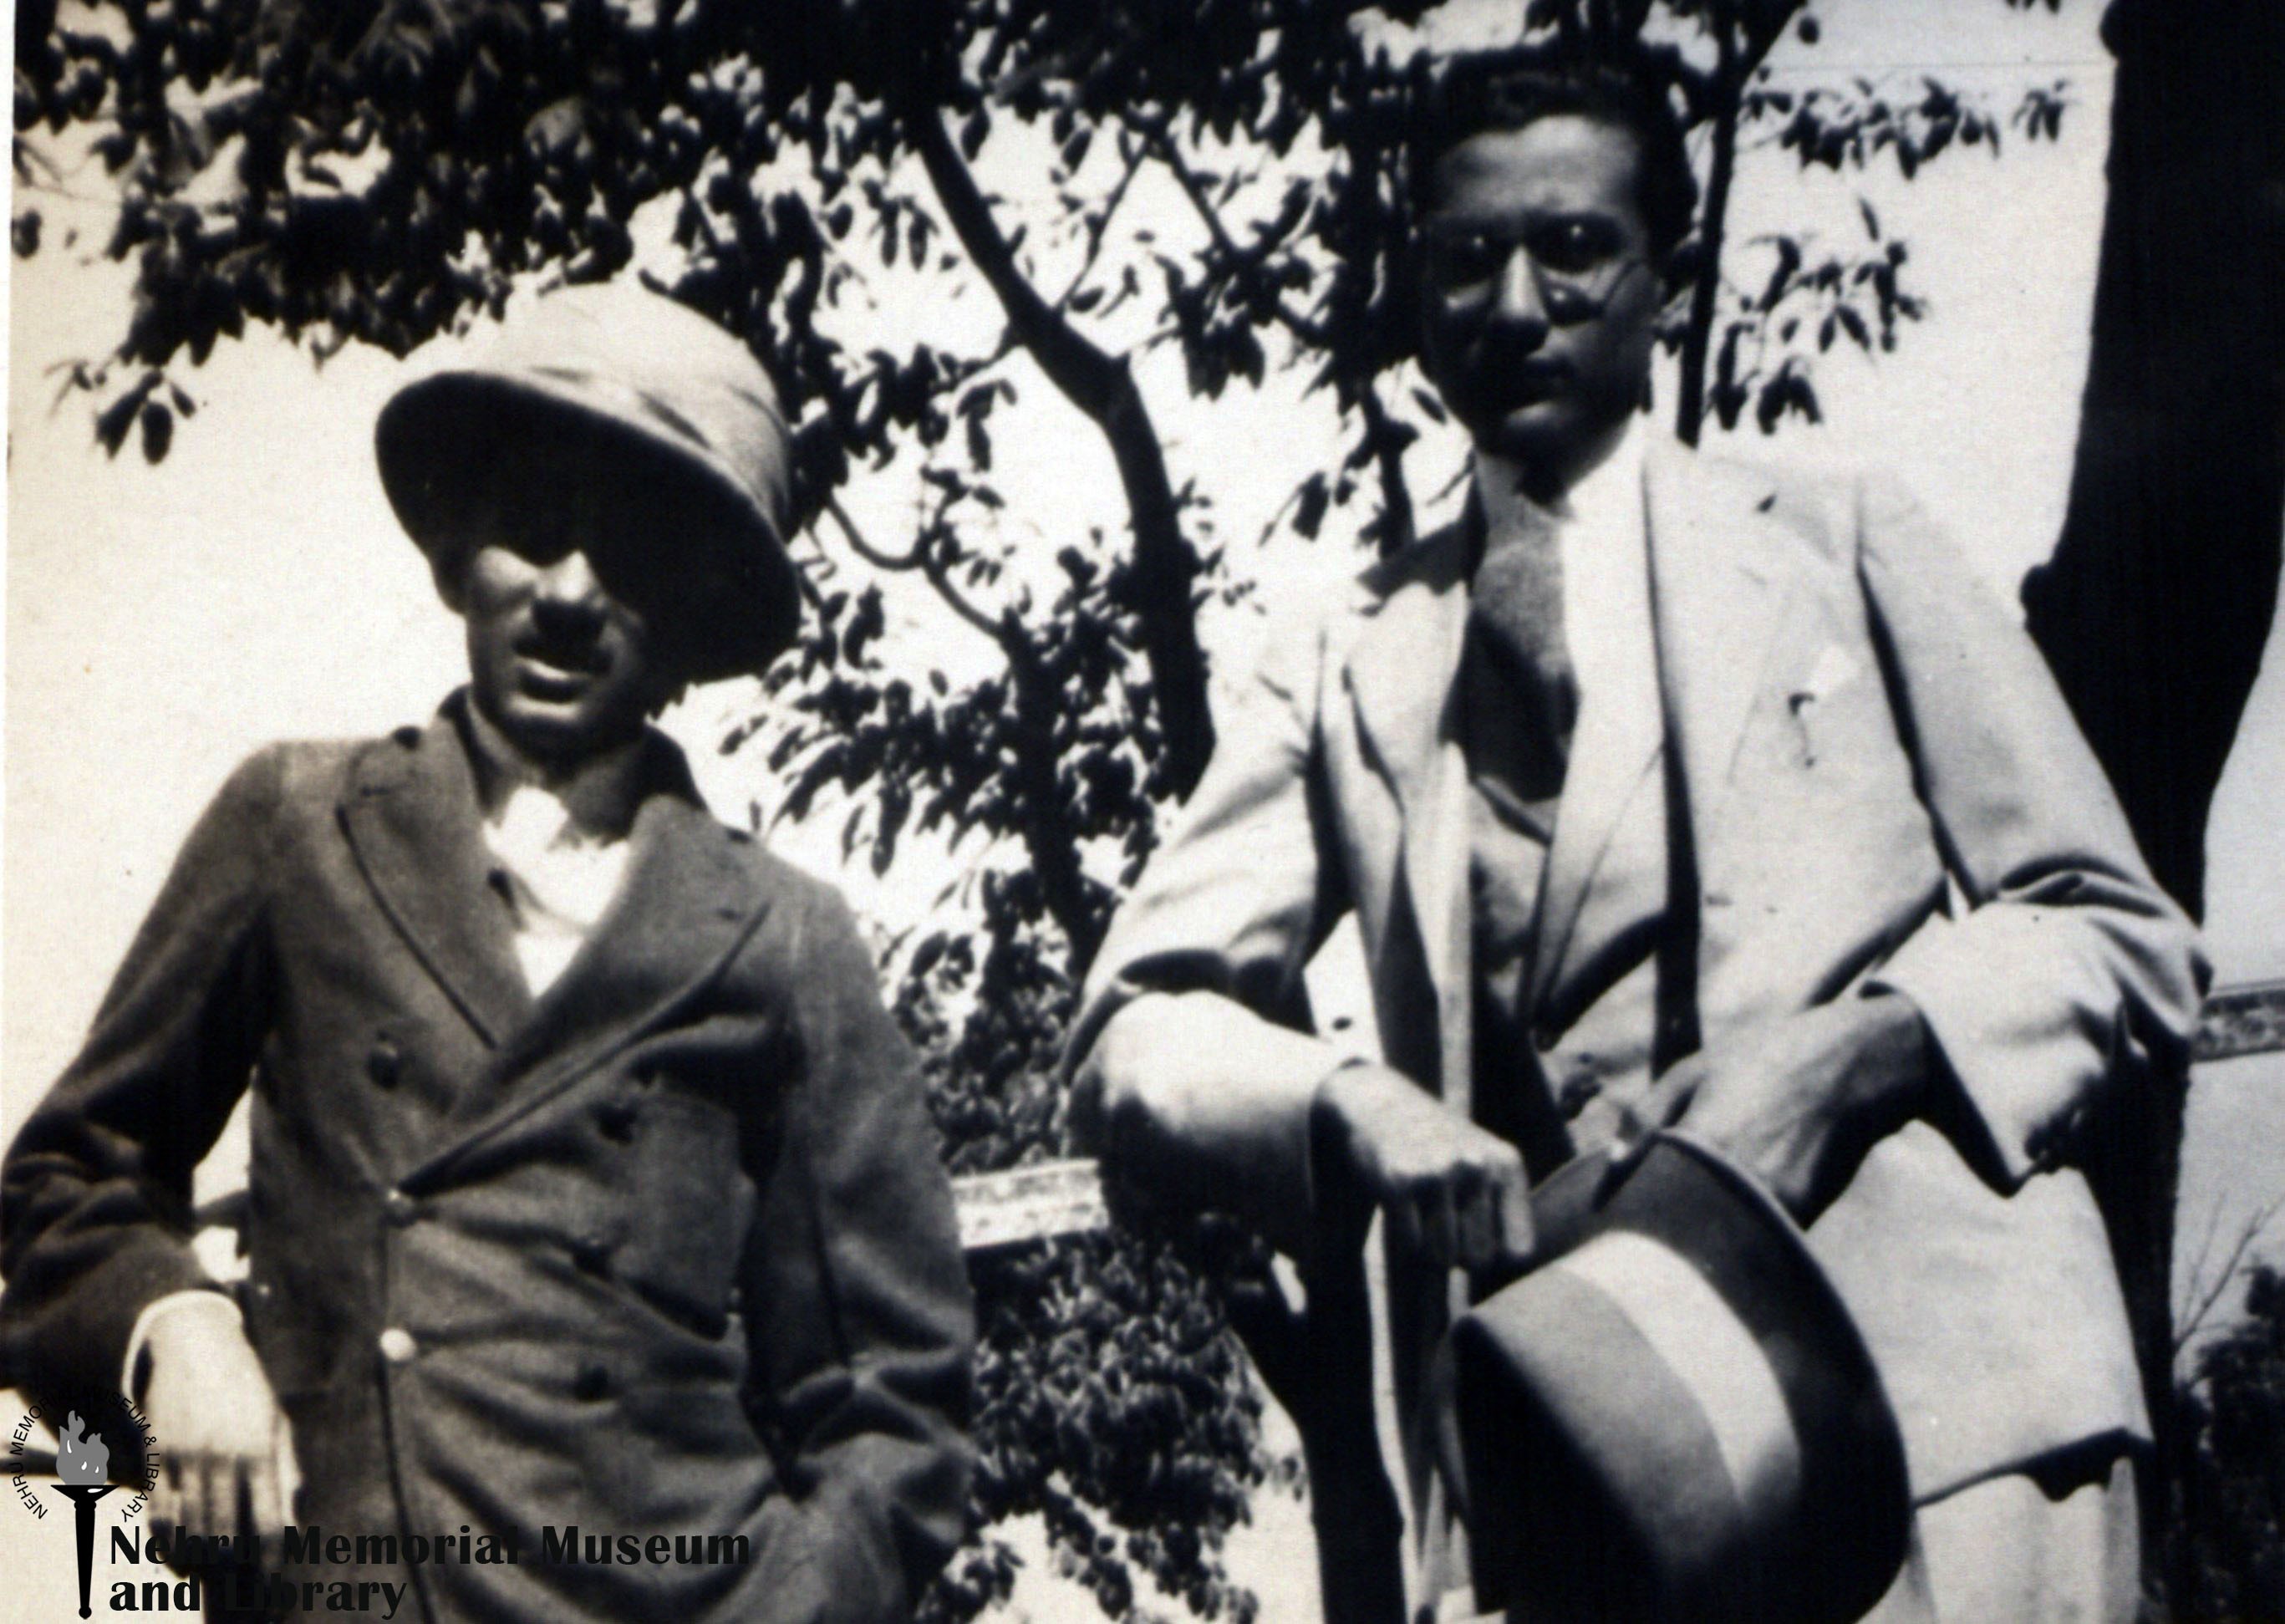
<point x="667" y="406"/>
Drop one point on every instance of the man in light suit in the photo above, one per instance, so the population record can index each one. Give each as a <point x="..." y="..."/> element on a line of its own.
<point x="592" y="1188"/>
<point x="1665" y="790"/>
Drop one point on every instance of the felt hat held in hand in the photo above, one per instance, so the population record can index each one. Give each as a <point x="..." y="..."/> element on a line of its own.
<point x="1672" y="1417"/>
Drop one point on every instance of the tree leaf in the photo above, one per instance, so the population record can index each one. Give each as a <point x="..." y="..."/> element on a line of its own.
<point x="1309" y="510"/>
<point x="158" y="431"/>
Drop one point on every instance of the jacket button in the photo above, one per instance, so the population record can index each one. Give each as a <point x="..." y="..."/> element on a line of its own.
<point x="397" y="1345"/>
<point x="617" y="1118"/>
<point x="399" y="1208"/>
<point x="591" y="1254"/>
<point x="593" y="1383"/>
<point x="385" y="1064"/>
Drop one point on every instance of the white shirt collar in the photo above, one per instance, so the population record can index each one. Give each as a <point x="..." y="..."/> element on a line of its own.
<point x="1598" y="497"/>
<point x="560" y="879"/>
<point x="1601" y="529"/>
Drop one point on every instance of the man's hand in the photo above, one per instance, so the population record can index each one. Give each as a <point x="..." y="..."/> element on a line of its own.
<point x="1801" y="1102"/>
<point x="1451" y="1192"/>
<point x="227" y="1454"/>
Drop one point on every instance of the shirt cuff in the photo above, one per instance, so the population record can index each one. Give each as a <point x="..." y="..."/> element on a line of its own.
<point x="132" y="1377"/>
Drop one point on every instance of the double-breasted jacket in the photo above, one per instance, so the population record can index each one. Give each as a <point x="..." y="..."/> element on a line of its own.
<point x="668" y="1250"/>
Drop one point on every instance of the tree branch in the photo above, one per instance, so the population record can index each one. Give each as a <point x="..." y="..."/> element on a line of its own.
<point x="1074" y="364"/>
<point x="1159" y="590"/>
<point x="1048" y="835"/>
<point x="1099" y="228"/>
<point x="2213" y="1291"/>
<point x="1736" y="60"/>
<point x="864" y="549"/>
<point x="1246" y="260"/>
<point x="1048" y="839"/>
<point x="921" y="558"/>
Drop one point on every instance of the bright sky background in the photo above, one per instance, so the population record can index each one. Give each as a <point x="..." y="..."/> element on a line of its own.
<point x="161" y="622"/>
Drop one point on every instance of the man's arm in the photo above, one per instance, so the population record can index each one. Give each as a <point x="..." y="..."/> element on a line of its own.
<point x="96" y="1193"/>
<point x="95" y="1199"/>
<point x="2002" y="1025"/>
<point x="2071" y="966"/>
<point x="1195" y="1075"/>
<point x="870" y="1395"/>
<point x="1194" y="1071"/>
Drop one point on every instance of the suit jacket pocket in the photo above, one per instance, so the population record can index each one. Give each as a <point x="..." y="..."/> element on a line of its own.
<point x="689" y="1204"/>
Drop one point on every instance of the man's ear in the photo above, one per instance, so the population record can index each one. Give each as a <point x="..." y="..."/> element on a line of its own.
<point x="1678" y="271"/>
<point x="448" y="567"/>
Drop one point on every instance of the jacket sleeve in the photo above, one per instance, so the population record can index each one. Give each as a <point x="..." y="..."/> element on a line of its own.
<point x="95" y="1197"/>
<point x="869" y="1390"/>
<point x="1193" y="1071"/>
<point x="2069" y="966"/>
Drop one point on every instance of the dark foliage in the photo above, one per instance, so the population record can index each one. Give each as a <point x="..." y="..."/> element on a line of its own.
<point x="2226" y="1532"/>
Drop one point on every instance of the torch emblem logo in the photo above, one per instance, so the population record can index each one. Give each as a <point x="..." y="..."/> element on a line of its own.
<point x="82" y="1464"/>
<point x="83" y="1469"/>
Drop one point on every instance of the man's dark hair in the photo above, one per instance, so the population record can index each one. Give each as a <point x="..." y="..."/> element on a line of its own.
<point x="1506" y="90"/>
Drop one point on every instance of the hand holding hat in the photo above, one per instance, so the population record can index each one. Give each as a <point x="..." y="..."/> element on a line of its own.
<point x="1451" y="1193"/>
<point x="1799" y="1103"/>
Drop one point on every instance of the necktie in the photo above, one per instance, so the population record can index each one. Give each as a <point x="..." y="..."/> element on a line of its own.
<point x="1522" y="697"/>
<point x="1522" y="663"/>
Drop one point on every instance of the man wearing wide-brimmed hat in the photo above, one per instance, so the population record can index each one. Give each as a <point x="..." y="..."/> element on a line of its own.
<point x="591" y="1193"/>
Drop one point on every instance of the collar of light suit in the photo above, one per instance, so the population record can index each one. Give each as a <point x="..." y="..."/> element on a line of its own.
<point x="1668" y="642"/>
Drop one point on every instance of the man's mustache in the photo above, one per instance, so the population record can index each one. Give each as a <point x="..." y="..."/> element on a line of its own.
<point x="1520" y="377"/>
<point x="580" y="652"/>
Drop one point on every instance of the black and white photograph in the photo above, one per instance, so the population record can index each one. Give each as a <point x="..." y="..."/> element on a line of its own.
<point x="1047" y="811"/>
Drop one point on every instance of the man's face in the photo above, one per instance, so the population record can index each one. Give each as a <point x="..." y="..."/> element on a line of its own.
<point x="1539" y="291"/>
<point x="561" y="664"/>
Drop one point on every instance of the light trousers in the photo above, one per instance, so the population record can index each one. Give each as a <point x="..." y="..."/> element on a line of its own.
<point x="2002" y="1550"/>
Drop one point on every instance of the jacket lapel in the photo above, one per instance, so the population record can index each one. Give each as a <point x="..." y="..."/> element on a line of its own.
<point x="1611" y="750"/>
<point x="1401" y="671"/>
<point x="1714" y="608"/>
<point x="687" y="901"/>
<point x="1715" y="605"/>
<point x="1584" y="830"/>
<point x="409" y="815"/>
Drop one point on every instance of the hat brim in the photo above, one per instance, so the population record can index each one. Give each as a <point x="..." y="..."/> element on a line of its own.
<point x="1595" y="1489"/>
<point x="729" y="590"/>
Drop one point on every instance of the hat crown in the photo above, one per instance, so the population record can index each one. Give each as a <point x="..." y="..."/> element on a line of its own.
<point x="1672" y="1415"/>
<point x="646" y="358"/>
